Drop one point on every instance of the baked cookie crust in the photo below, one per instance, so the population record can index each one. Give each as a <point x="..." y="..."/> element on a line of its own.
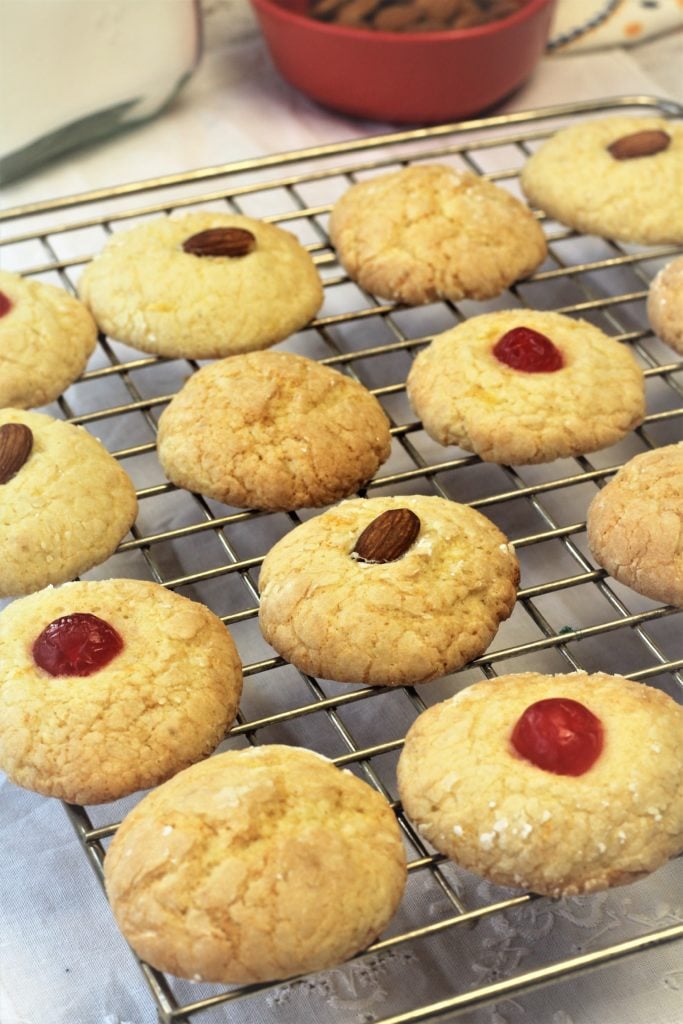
<point x="429" y="232"/>
<point x="146" y="290"/>
<point x="575" y="179"/>
<point x="255" y="865"/>
<point x="665" y="304"/>
<point x="46" y="339"/>
<point x="272" y="430"/>
<point x="476" y="800"/>
<point x="409" y="620"/>
<point x="635" y="525"/>
<point x="165" y="701"/>
<point x="465" y="396"/>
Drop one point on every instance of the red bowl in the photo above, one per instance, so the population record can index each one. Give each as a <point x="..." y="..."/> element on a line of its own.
<point x="408" y="77"/>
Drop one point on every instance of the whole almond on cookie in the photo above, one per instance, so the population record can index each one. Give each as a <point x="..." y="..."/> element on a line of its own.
<point x="645" y="143"/>
<point x="16" y="442"/>
<point x="220" y="242"/>
<point x="388" y="537"/>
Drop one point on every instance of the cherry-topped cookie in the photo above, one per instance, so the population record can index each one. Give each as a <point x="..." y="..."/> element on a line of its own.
<point x="111" y="686"/>
<point x="558" y="784"/>
<point x="521" y="386"/>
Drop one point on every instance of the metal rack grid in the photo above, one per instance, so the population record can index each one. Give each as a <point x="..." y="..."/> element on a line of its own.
<point x="569" y="615"/>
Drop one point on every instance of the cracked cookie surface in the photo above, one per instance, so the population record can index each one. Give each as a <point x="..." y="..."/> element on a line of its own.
<point x="146" y="290"/>
<point x="574" y="178"/>
<point x="407" y="621"/>
<point x="64" y="511"/>
<point x="635" y="525"/>
<point x="164" y="701"/>
<point x="476" y="800"/>
<point x="665" y="304"/>
<point x="430" y="232"/>
<point x="272" y="430"/>
<point x="255" y="865"/>
<point x="465" y="396"/>
<point x="46" y="338"/>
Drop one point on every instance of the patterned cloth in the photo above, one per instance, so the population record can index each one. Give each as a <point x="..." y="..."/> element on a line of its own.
<point x="592" y="25"/>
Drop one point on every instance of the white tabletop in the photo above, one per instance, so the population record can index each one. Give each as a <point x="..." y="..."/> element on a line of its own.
<point x="62" y="960"/>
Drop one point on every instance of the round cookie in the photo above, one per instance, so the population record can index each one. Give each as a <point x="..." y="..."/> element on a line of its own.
<point x="576" y="179"/>
<point x="635" y="525"/>
<point x="227" y="295"/>
<point x="272" y="430"/>
<point x="429" y="232"/>
<point x="46" y="338"/>
<point x="255" y="865"/>
<point x="334" y="610"/>
<point x="665" y="304"/>
<point x="64" y="509"/>
<point x="163" y="701"/>
<point x="477" y="800"/>
<point x="467" y="396"/>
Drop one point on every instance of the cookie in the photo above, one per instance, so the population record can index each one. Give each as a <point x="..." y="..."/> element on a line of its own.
<point x="387" y="591"/>
<point x="559" y="784"/>
<point x="429" y="232"/>
<point x="618" y="177"/>
<point x="519" y="387"/>
<point x="635" y="525"/>
<point x="109" y="687"/>
<point x="46" y="338"/>
<point x="255" y="865"/>
<point x="65" y="502"/>
<point x="272" y="430"/>
<point x="202" y="286"/>
<point x="665" y="304"/>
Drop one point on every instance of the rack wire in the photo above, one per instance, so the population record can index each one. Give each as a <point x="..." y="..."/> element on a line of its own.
<point x="569" y="614"/>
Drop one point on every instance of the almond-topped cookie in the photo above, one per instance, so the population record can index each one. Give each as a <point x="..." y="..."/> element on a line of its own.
<point x="387" y="591"/>
<point x="255" y="865"/>
<point x="65" y="502"/>
<point x="522" y="386"/>
<point x="202" y="285"/>
<point x="430" y="232"/>
<point x="559" y="784"/>
<point x="111" y="686"/>
<point x="618" y="177"/>
<point x="46" y="337"/>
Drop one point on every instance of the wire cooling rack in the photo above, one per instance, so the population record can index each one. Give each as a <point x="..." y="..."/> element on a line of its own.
<point x="457" y="945"/>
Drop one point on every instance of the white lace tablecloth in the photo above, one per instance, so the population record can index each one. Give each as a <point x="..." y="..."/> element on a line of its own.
<point x="62" y="960"/>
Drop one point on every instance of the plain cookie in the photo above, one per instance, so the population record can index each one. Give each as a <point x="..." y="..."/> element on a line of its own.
<point x="272" y="430"/>
<point x="64" y="510"/>
<point x="635" y="525"/>
<point x="255" y="865"/>
<point x="430" y="232"/>
<point x="665" y="304"/>
<point x="576" y="179"/>
<point x="163" y="701"/>
<point x="145" y="289"/>
<point x="465" y="395"/>
<point x="46" y="338"/>
<point x="424" y="613"/>
<point x="493" y="811"/>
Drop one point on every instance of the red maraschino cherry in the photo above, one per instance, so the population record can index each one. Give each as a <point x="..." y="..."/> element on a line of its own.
<point x="528" y="350"/>
<point x="5" y="304"/>
<point x="559" y="735"/>
<point x="76" y="645"/>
